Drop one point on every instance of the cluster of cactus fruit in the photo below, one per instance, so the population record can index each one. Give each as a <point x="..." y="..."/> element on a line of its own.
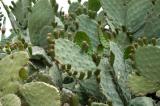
<point x="57" y="59"/>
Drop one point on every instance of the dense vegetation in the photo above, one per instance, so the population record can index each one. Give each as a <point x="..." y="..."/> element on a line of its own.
<point x="54" y="59"/>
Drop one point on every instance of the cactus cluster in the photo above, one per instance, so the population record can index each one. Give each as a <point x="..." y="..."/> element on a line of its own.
<point x="56" y="59"/>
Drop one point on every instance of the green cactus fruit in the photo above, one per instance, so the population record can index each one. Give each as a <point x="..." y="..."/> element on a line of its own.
<point x="81" y="75"/>
<point x="85" y="47"/>
<point x="10" y="100"/>
<point x="69" y="1"/>
<point x="89" y="74"/>
<point x="24" y="73"/>
<point x="97" y="72"/>
<point x="9" y="71"/>
<point x="40" y="94"/>
<point x="140" y="42"/>
<point x="154" y="41"/>
<point x="145" y="40"/>
<point x="158" y="93"/>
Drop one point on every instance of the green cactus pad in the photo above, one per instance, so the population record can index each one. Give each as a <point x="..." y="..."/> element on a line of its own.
<point x="90" y="27"/>
<point x="141" y="101"/>
<point x="9" y="71"/>
<point x="120" y="69"/>
<point x="94" y="5"/>
<point x="10" y="100"/>
<point x="98" y="104"/>
<point x="56" y="75"/>
<point x="66" y="52"/>
<point x="40" y="94"/>
<point x="130" y="13"/>
<point x="140" y="85"/>
<point x="20" y="11"/>
<point x="80" y="37"/>
<point x="147" y="65"/>
<point x="107" y="84"/>
<point x="42" y="15"/>
<point x="91" y="87"/>
<point x="39" y="53"/>
<point x="147" y="62"/>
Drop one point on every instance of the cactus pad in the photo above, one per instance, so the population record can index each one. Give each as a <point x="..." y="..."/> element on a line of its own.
<point x="140" y="85"/>
<point x="40" y="94"/>
<point x="90" y="27"/>
<point x="9" y="71"/>
<point x="20" y="10"/>
<point x="147" y="65"/>
<point x="141" y="101"/>
<point x="147" y="62"/>
<point x="10" y="100"/>
<point x="98" y="104"/>
<point x="107" y="84"/>
<point x="42" y="15"/>
<point x="66" y="52"/>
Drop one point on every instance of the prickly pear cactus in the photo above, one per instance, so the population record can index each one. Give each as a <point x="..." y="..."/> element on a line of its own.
<point x="148" y="78"/>
<point x="90" y="27"/>
<point x="9" y="72"/>
<point x="71" y="55"/>
<point x="98" y="104"/>
<point x="40" y="94"/>
<point x="10" y="100"/>
<point x="99" y="53"/>
<point x="42" y="15"/>
<point x="141" y="101"/>
<point x="20" y="10"/>
<point x="107" y="84"/>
